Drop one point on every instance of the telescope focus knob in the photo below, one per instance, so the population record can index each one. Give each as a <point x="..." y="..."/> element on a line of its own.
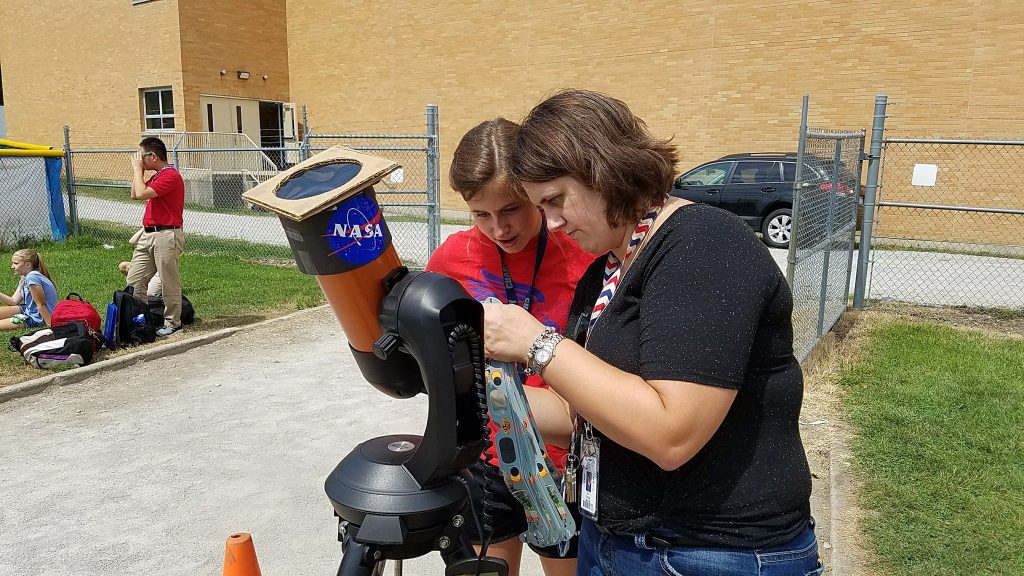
<point x="385" y="345"/>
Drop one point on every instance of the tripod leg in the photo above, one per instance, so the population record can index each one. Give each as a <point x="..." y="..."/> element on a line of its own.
<point x="357" y="560"/>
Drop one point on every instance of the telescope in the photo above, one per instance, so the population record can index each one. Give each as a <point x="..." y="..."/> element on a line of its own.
<point x="397" y="496"/>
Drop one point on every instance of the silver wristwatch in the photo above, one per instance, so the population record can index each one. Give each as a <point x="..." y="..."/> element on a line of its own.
<point x="542" y="350"/>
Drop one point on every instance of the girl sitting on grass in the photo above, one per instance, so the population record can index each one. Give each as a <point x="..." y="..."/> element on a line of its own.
<point x="35" y="297"/>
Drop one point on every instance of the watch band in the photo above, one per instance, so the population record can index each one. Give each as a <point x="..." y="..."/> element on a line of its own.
<point x="542" y="351"/>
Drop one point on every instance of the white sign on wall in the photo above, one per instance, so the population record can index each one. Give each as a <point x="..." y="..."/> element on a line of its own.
<point x="924" y="175"/>
<point x="398" y="176"/>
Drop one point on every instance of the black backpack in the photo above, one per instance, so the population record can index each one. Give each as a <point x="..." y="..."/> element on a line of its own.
<point x="155" y="314"/>
<point x="71" y="343"/>
<point x="127" y="330"/>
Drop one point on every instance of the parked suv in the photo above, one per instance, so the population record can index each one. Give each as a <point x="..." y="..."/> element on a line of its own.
<point x="757" y="187"/>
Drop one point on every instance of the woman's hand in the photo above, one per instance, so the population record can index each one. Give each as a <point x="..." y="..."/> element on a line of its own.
<point x="509" y="331"/>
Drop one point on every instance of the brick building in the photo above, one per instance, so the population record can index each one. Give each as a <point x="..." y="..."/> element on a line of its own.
<point x="720" y="77"/>
<point x="114" y="68"/>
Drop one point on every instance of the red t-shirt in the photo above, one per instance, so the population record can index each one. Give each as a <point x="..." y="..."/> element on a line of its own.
<point x="472" y="259"/>
<point x="167" y="207"/>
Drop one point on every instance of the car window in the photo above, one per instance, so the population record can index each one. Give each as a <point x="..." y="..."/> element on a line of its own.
<point x="755" y="172"/>
<point x="789" y="171"/>
<point x="707" y="175"/>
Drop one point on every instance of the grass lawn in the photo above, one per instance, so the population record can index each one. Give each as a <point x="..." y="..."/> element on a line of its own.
<point x="117" y="235"/>
<point x="939" y="420"/>
<point x="225" y="288"/>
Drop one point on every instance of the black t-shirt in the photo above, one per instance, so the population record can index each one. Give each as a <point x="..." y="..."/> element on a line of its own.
<point x="704" y="302"/>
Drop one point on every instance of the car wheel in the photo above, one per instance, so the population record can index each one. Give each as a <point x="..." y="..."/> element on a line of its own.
<point x="777" y="228"/>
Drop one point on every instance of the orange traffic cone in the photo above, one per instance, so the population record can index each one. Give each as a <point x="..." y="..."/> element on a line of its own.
<point x="240" y="556"/>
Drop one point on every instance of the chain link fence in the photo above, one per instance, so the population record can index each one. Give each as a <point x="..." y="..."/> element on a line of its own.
<point x="409" y="196"/>
<point x="217" y="168"/>
<point x="949" y="224"/>
<point x="826" y="198"/>
<point x="31" y="203"/>
<point x="216" y="219"/>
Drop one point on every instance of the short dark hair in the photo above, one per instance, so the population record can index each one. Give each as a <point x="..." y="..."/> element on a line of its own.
<point x="482" y="156"/>
<point x="156" y="146"/>
<point x="597" y="140"/>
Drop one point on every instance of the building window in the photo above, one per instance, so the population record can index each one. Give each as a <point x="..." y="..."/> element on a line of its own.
<point x="158" y="108"/>
<point x="209" y="117"/>
<point x="238" y="115"/>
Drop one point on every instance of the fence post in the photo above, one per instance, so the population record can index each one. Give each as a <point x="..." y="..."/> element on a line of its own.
<point x="801" y="143"/>
<point x="856" y="217"/>
<point x="870" y="192"/>
<point x="69" y="178"/>
<point x="827" y="257"/>
<point x="433" y="181"/>
<point x="304" y="146"/>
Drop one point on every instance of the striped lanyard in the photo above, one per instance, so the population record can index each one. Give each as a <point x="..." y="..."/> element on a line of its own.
<point x="613" y="266"/>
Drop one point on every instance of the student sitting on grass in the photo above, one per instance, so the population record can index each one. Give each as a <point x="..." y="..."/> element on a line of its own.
<point x="35" y="297"/>
<point x="155" y="288"/>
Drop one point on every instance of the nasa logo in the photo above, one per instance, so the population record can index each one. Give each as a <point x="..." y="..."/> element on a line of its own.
<point x="356" y="233"/>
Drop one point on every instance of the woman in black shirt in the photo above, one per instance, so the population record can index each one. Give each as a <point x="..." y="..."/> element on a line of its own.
<point x="687" y="394"/>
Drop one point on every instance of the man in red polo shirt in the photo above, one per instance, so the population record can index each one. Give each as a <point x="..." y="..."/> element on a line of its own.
<point x="162" y="241"/>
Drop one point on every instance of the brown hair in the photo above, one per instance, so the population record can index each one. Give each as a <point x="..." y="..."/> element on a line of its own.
<point x="33" y="257"/>
<point x="597" y="140"/>
<point x="482" y="156"/>
<point x="156" y="146"/>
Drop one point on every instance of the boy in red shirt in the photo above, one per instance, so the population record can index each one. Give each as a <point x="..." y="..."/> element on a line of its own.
<point x="159" y="247"/>
<point x="508" y="254"/>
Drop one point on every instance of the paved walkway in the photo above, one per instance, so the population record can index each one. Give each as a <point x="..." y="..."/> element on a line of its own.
<point x="147" y="469"/>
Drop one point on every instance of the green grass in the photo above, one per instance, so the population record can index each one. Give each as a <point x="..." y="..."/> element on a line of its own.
<point x="118" y="234"/>
<point x="939" y="416"/>
<point x="224" y="286"/>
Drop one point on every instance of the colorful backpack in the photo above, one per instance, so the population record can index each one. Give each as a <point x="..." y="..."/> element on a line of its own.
<point x="71" y="343"/>
<point x="75" y="308"/>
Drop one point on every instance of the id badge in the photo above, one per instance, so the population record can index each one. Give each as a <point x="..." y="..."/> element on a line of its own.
<point x="590" y="457"/>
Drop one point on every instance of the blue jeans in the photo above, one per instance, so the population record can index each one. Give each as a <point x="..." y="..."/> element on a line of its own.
<point x="606" y="555"/>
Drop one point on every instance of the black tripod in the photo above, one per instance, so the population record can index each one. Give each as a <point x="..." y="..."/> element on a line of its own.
<point x="403" y="496"/>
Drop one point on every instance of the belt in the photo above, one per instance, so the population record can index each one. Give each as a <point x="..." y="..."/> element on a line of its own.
<point x="663" y="541"/>
<point x="159" y="228"/>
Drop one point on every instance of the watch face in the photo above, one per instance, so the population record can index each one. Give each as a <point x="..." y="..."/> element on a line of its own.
<point x="543" y="356"/>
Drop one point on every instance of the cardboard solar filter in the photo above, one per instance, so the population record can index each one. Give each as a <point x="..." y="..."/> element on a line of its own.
<point x="319" y="182"/>
<point x="337" y="232"/>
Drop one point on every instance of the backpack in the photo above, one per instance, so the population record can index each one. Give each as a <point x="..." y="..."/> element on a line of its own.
<point x="75" y="308"/>
<point x="126" y="329"/>
<point x="71" y="343"/>
<point x="155" y="314"/>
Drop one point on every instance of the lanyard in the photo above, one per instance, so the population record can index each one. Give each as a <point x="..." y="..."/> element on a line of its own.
<point x="510" y="287"/>
<point x="613" y="267"/>
<point x="612" y="275"/>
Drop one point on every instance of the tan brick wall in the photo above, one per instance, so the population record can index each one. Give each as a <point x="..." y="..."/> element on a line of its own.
<point x="232" y="36"/>
<point x="84" y="67"/>
<point x="722" y="77"/>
